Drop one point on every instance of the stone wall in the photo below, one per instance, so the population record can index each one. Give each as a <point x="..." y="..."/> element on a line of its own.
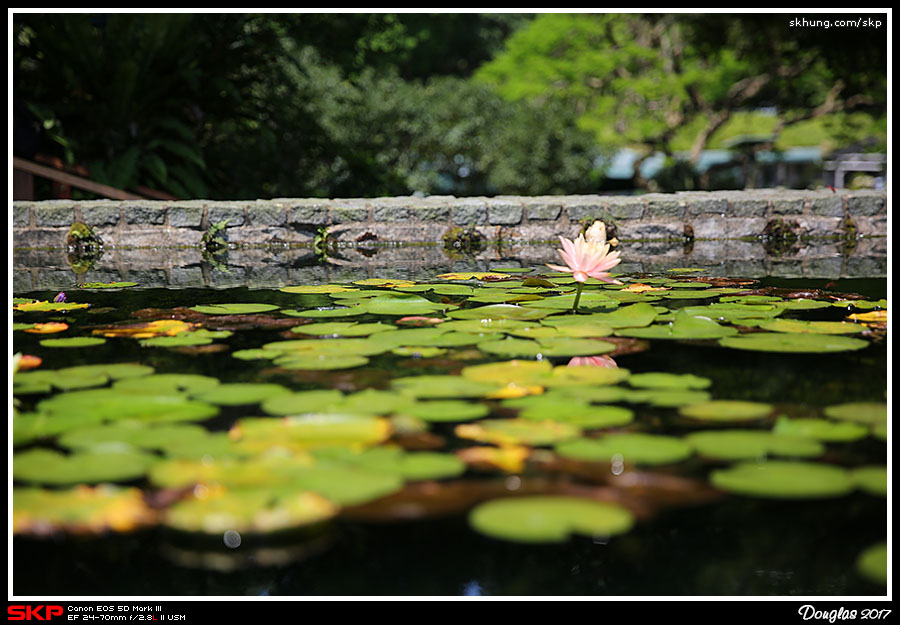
<point x="287" y="222"/>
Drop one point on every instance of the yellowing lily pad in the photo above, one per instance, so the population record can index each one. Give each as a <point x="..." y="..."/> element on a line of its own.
<point x="79" y="510"/>
<point x="255" y="511"/>
<point x="316" y="289"/>
<point x="517" y="431"/>
<point x="549" y="519"/>
<point x="308" y="431"/>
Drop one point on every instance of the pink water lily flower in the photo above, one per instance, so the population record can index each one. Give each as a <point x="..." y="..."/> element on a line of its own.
<point x="588" y="258"/>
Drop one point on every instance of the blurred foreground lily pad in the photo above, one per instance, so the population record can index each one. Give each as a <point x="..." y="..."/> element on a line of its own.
<point x="784" y="480"/>
<point x="79" y="510"/>
<point x="548" y="519"/>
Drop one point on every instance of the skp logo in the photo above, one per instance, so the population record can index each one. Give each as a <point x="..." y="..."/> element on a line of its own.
<point x="33" y="612"/>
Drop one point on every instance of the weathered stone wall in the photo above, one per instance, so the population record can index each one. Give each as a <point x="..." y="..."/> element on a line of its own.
<point x="698" y="215"/>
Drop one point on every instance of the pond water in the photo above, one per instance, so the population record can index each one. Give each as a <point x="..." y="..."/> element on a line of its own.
<point x="453" y="434"/>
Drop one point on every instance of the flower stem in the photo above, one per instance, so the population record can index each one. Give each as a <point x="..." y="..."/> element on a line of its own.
<point x="577" y="297"/>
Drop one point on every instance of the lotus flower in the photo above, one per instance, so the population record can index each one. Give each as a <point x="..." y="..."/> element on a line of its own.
<point x="588" y="257"/>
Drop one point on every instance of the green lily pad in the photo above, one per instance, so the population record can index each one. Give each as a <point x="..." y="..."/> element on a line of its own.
<point x="442" y="387"/>
<point x="446" y="410"/>
<point x="328" y="312"/>
<point x="872" y="563"/>
<point x="371" y="401"/>
<point x="811" y="327"/>
<point x="400" y="304"/>
<point x="640" y="449"/>
<point x="566" y="376"/>
<point x="106" y="285"/>
<point x="724" y="410"/>
<point x="872" y="413"/>
<point x="751" y="444"/>
<point x="667" y="398"/>
<point x="784" y="480"/>
<point x="484" y="326"/>
<point x="683" y="326"/>
<point x="575" y="412"/>
<point x="168" y="383"/>
<point x="519" y="372"/>
<point x="633" y="316"/>
<point x="668" y="381"/>
<point x="395" y="461"/>
<point x="872" y="479"/>
<point x="45" y="466"/>
<point x="821" y="429"/>
<point x="371" y="346"/>
<point x="301" y="402"/>
<point x="548" y="519"/>
<point x="793" y="343"/>
<point x="110" y="404"/>
<point x="690" y="294"/>
<point x="342" y="328"/>
<point x="499" y="311"/>
<point x="73" y="341"/>
<point x="236" y="394"/>
<point x="115" y="371"/>
<point x="234" y="309"/>
<point x="804" y="304"/>
<point x="320" y="362"/>
<point x="133" y="433"/>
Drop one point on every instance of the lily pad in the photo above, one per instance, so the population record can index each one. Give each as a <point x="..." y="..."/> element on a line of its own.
<point x="446" y="410"/>
<point x="872" y="479"/>
<point x="236" y="394"/>
<point x="751" y="444"/>
<point x="168" y="383"/>
<point x="683" y="326"/>
<point x="342" y="328"/>
<point x="640" y="449"/>
<point x="45" y="466"/>
<point x="724" y="410"/>
<point x="316" y="289"/>
<point x="73" y="341"/>
<point x="233" y="309"/>
<point x="517" y="431"/>
<point x="499" y="311"/>
<point x="441" y="387"/>
<point x="784" y="480"/>
<point x="872" y="413"/>
<point x="821" y="429"/>
<point x="793" y="343"/>
<point x="109" y="404"/>
<point x="255" y="511"/>
<point x="811" y="327"/>
<point x="872" y="563"/>
<point x="668" y="381"/>
<point x="284" y="404"/>
<point x="79" y="510"/>
<point x="320" y="362"/>
<point x="308" y="431"/>
<point x="549" y="519"/>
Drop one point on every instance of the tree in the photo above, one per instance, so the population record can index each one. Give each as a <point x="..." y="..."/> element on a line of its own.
<point x="641" y="79"/>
